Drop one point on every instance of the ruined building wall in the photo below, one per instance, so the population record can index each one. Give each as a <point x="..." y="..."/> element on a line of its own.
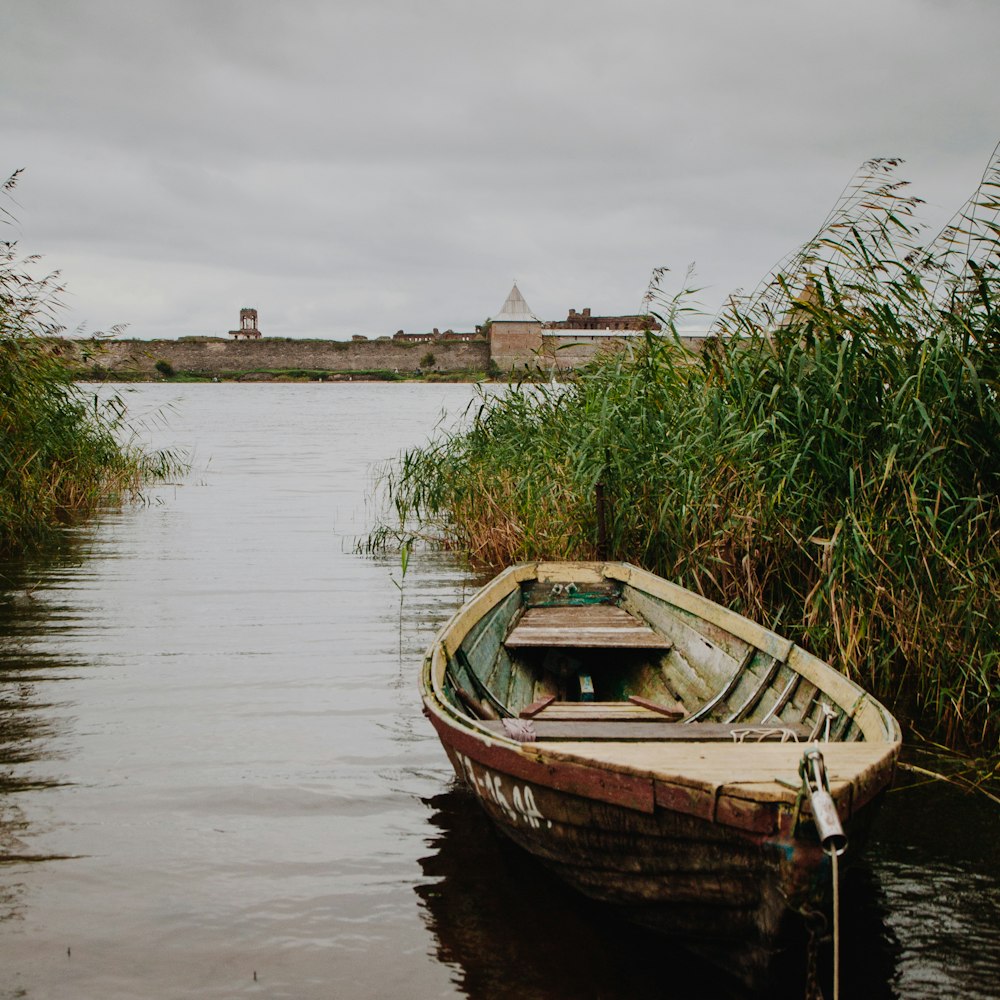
<point x="568" y="350"/>
<point x="585" y="321"/>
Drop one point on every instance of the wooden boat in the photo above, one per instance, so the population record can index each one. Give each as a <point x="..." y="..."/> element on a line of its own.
<point x="658" y="751"/>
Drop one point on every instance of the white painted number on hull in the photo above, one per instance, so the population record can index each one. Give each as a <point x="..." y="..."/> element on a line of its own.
<point x="518" y="807"/>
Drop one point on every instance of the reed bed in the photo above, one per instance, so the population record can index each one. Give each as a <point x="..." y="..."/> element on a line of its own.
<point x="828" y="464"/>
<point x="61" y="454"/>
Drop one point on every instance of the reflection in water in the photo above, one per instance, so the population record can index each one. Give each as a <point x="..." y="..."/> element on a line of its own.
<point x="511" y="930"/>
<point x="29" y="724"/>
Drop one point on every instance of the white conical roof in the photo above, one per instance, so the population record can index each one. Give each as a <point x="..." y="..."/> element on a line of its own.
<point x="515" y="309"/>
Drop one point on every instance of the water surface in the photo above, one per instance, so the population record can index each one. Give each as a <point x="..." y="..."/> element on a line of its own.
<point x="215" y="779"/>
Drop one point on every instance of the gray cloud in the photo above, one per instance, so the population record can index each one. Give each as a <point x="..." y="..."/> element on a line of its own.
<point x="357" y="168"/>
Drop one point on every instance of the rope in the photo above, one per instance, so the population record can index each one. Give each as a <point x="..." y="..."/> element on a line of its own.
<point x="822" y="724"/>
<point x="815" y="924"/>
<point x="816" y="787"/>
<point x="758" y="734"/>
<point x="836" y="924"/>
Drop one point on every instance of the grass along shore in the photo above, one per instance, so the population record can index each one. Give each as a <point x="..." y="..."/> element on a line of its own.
<point x="828" y="466"/>
<point x="61" y="455"/>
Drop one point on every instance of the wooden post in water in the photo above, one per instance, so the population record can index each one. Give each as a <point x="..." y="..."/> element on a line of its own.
<point x="602" y="522"/>
<point x="603" y="502"/>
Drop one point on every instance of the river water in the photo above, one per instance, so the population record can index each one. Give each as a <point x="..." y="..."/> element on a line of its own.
<point x="215" y="779"/>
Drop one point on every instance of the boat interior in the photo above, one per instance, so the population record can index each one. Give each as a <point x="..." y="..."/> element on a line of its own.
<point x="609" y="661"/>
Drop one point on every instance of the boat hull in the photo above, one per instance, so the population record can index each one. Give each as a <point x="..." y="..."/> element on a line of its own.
<point x="681" y="825"/>
<point x="735" y="897"/>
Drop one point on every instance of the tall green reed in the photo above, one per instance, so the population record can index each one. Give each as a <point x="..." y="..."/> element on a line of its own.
<point x="828" y="463"/>
<point x="62" y="454"/>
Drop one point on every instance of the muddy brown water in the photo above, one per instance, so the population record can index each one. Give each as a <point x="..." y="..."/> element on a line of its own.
<point x="215" y="779"/>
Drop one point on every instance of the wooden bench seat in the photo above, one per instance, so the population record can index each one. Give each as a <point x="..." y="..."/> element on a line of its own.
<point x="628" y="730"/>
<point x="594" y="626"/>
<point x="636" y="709"/>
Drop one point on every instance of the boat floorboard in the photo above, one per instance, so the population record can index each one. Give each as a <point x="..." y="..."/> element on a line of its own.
<point x="595" y="626"/>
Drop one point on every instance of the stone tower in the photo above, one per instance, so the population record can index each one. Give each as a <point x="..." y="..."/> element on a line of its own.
<point x="515" y="333"/>
<point x="248" y="326"/>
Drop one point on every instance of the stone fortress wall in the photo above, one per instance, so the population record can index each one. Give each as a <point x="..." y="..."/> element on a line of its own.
<point x="213" y="356"/>
<point x="515" y="341"/>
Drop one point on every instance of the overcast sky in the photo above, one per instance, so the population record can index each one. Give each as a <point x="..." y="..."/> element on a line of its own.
<point x="360" y="167"/>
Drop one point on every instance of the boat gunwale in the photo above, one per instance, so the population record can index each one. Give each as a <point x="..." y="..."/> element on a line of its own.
<point x="880" y="729"/>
